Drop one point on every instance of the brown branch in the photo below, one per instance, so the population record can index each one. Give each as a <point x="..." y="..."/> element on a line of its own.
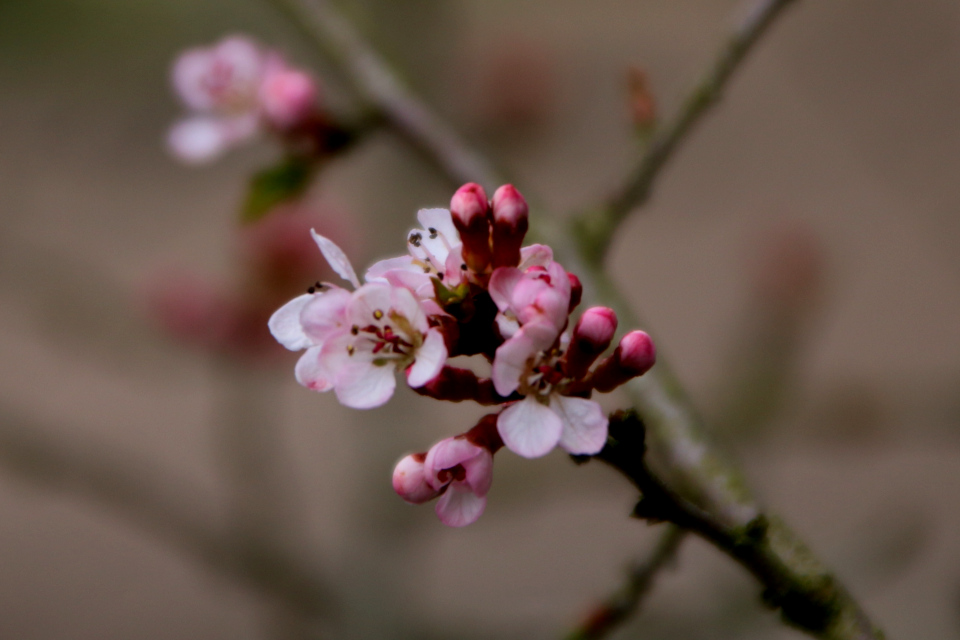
<point x="597" y="227"/>
<point x="369" y="75"/>
<point x="629" y="598"/>
<point x="141" y="494"/>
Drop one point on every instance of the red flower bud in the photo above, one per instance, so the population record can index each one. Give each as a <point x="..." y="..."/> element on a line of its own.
<point x="510" y="213"/>
<point x="576" y="291"/>
<point x="471" y="216"/>
<point x="633" y="357"/>
<point x="591" y="337"/>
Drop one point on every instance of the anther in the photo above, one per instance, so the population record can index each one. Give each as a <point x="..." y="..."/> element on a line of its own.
<point x="433" y="232"/>
<point x="377" y="314"/>
<point x="463" y="267"/>
<point x="350" y="349"/>
<point x="311" y="289"/>
<point x="354" y="329"/>
<point x="415" y="239"/>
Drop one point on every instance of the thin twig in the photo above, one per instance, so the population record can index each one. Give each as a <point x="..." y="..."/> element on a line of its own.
<point x="372" y="79"/>
<point x="629" y="598"/>
<point x="142" y="495"/>
<point x="719" y="506"/>
<point x="598" y="226"/>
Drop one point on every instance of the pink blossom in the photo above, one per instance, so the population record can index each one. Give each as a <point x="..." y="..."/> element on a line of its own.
<point x="355" y="341"/>
<point x="233" y="89"/>
<point x="463" y="472"/>
<point x="470" y="210"/>
<point x="410" y="480"/>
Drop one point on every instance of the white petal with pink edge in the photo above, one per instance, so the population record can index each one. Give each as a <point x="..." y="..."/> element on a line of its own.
<point x="311" y="372"/>
<point x="459" y="506"/>
<point x="286" y="327"/>
<point x="584" y="424"/>
<point x="430" y="358"/>
<point x="363" y="385"/>
<point x="510" y="362"/>
<point x="338" y="260"/>
<point x="529" y="428"/>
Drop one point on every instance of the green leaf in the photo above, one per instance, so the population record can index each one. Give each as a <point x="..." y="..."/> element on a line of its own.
<point x="276" y="185"/>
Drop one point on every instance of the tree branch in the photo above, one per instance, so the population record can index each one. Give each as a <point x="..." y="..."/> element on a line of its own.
<point x="717" y="503"/>
<point x="153" y="502"/>
<point x="597" y="227"/>
<point x="378" y="86"/>
<point x="628" y="599"/>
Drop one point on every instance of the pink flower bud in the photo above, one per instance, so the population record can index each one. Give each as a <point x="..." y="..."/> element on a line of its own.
<point x="591" y="337"/>
<point x="510" y="213"/>
<point x="410" y="482"/>
<point x="576" y="291"/>
<point x="470" y="211"/>
<point x="288" y="98"/>
<point x="634" y="356"/>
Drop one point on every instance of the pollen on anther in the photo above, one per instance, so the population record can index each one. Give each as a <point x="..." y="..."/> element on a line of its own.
<point x="350" y="349"/>
<point x="415" y="239"/>
<point x="354" y="329"/>
<point x="433" y="233"/>
<point x="463" y="267"/>
<point x="377" y="314"/>
<point x="311" y="289"/>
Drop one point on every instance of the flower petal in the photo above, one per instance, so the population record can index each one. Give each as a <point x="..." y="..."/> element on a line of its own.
<point x="502" y="283"/>
<point x="198" y="140"/>
<point x="286" y="327"/>
<point x="584" y="424"/>
<point x="409" y="481"/>
<point x="311" y="371"/>
<point x="363" y="385"/>
<point x="450" y="452"/>
<point x="536" y="255"/>
<point x="529" y="429"/>
<point x="479" y="472"/>
<point x="510" y="362"/>
<point x="459" y="506"/>
<point x="325" y="313"/>
<point x="431" y="356"/>
<point x="378" y="269"/>
<point x="336" y="257"/>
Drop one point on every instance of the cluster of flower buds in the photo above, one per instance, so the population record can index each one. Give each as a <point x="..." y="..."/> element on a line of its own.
<point x="467" y="287"/>
<point x="235" y="89"/>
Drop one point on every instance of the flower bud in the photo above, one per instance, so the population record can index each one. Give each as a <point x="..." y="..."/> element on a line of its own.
<point x="576" y="291"/>
<point x="510" y="213"/>
<point x="591" y="337"/>
<point x="470" y="211"/>
<point x="633" y="357"/>
<point x="288" y="98"/>
<point x="409" y="480"/>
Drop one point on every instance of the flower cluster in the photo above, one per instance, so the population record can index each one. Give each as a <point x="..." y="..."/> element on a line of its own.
<point x="235" y="89"/>
<point x="467" y="287"/>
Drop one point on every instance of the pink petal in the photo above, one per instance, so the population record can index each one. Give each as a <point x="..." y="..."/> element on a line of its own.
<point x="286" y="327"/>
<point x="431" y="357"/>
<point x="584" y="424"/>
<point x="336" y="257"/>
<point x="410" y="482"/>
<point x="324" y="313"/>
<point x="479" y="472"/>
<point x="369" y="301"/>
<point x="459" y="506"/>
<point x="529" y="429"/>
<point x="510" y="362"/>
<point x="536" y="255"/>
<point x="450" y="452"/>
<point x="311" y="372"/>
<point x="442" y="221"/>
<point x="378" y="270"/>
<point x="503" y="281"/>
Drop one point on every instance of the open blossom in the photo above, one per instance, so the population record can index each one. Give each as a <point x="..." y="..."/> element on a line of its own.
<point x="467" y="286"/>
<point x="234" y="90"/>
<point x="355" y="341"/>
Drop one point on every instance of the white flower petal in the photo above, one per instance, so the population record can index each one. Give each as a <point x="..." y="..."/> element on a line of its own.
<point x="459" y="506"/>
<point x="363" y="385"/>
<point x="442" y="221"/>
<point x="507" y="326"/>
<point x="510" y="362"/>
<point x="336" y="257"/>
<point x="370" y="301"/>
<point x="325" y="313"/>
<point x="529" y="429"/>
<point x="431" y="357"/>
<point x="286" y="327"/>
<point x="312" y="373"/>
<point x="584" y="424"/>
<point x="378" y="269"/>
<point x="198" y="140"/>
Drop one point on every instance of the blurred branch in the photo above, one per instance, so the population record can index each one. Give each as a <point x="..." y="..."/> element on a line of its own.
<point x="154" y="502"/>
<point x="596" y="227"/>
<point x="712" y="488"/>
<point x="370" y="76"/>
<point x="805" y="592"/>
<point x="629" y="598"/>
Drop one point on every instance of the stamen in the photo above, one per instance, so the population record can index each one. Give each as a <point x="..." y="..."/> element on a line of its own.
<point x="311" y="289"/>
<point x="377" y="314"/>
<point x="433" y="232"/>
<point x="415" y="238"/>
<point x="354" y="329"/>
<point x="350" y="349"/>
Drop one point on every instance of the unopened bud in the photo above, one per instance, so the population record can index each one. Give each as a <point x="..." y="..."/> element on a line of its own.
<point x="410" y="481"/>
<point x="470" y="212"/>
<point x="288" y="98"/>
<point x="576" y="291"/>
<point x="633" y="357"/>
<point x="591" y="337"/>
<point x="510" y="213"/>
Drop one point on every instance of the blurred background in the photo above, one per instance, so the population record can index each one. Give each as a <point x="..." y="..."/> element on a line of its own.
<point x="163" y="476"/>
